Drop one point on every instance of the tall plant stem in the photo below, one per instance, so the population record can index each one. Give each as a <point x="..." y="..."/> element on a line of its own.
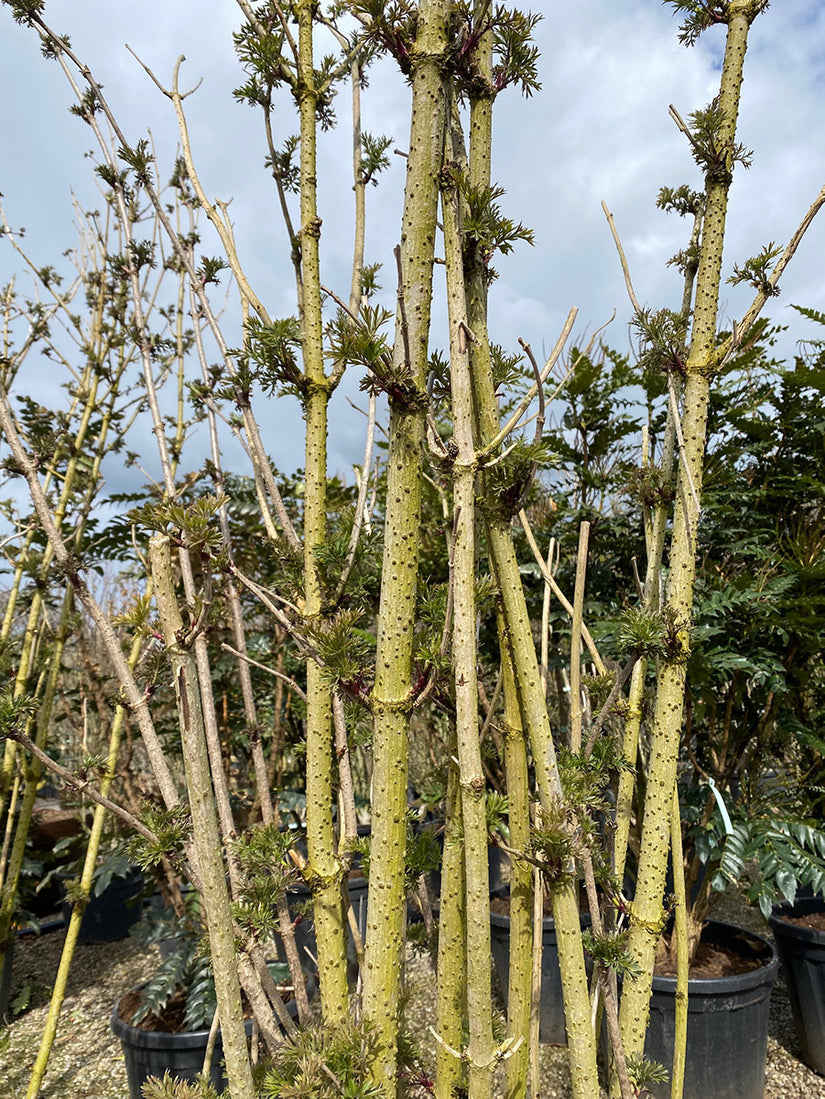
<point x="647" y="913"/>
<point x="324" y="865"/>
<point x="527" y="674"/>
<point x="680" y="933"/>
<point x="465" y="673"/>
<point x="205" y="829"/>
<point x="655" y="543"/>
<point x="391" y="698"/>
<point x="521" y="885"/>
<point x="451" y="975"/>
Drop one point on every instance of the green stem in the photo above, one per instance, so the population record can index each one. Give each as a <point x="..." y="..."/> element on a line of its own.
<point x="392" y="691"/>
<point x="205" y="830"/>
<point x="451" y="976"/>
<point x="647" y="913"/>
<point x="465" y="675"/>
<point x="521" y="887"/>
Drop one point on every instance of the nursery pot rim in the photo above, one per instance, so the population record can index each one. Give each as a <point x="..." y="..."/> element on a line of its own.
<point x="735" y="982"/>
<point x="802" y="907"/>
<point x="155" y="1039"/>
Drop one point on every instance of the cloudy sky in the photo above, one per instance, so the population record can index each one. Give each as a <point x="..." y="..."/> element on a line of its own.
<point x="598" y="130"/>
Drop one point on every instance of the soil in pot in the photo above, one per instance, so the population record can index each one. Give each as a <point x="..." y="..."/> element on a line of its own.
<point x="552" y="1029"/>
<point x="728" y="1007"/>
<point x="799" y="931"/>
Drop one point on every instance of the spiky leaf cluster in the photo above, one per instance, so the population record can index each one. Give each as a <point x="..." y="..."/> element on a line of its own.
<point x="15" y="712"/>
<point x="702" y="14"/>
<point x="643" y="1072"/>
<point x="662" y="340"/>
<point x="391" y="25"/>
<point x="611" y="951"/>
<point x="344" y="647"/>
<point x="641" y="631"/>
<point x="553" y="845"/>
<point x="485" y="229"/>
<point x="329" y="1062"/>
<point x="374" y="159"/>
<point x="283" y="165"/>
<point x="714" y="156"/>
<point x="515" y="55"/>
<point x="274" y="351"/>
<point x="757" y="269"/>
<point x="508" y="481"/>
<point x="363" y="343"/>
<point x="681" y="200"/>
<point x="172" y="1087"/>
<point x="171" y="828"/>
<point x="586" y="779"/>
<point x="139" y="158"/>
<point x="650" y="486"/>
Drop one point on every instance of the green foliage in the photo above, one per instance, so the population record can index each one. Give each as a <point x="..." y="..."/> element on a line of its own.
<point x="552" y="845"/>
<point x="681" y="200"/>
<point x="713" y="155"/>
<point x="702" y="14"/>
<point x="345" y="649"/>
<point x="775" y="858"/>
<point x="362" y="343"/>
<point x="662" y="340"/>
<point x="275" y="352"/>
<point x="485" y="229"/>
<point x="756" y="271"/>
<point x="699" y="16"/>
<point x="515" y="56"/>
<point x="171" y="828"/>
<point x="374" y="159"/>
<point x="22" y="999"/>
<point x="183" y="980"/>
<point x="330" y="1062"/>
<point x="610" y="950"/>
<point x="586" y="780"/>
<point x="14" y="712"/>
<point x="196" y="521"/>
<point x="641" y="631"/>
<point x="509" y="479"/>
<point x="170" y="1087"/>
<point x="643" y="1072"/>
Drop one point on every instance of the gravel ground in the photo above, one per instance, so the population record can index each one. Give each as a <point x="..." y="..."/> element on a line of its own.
<point x="86" y="1061"/>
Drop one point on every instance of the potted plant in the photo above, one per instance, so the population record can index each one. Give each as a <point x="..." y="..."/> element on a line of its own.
<point x="169" y="1024"/>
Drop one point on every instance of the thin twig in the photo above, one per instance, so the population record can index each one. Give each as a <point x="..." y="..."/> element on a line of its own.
<point x="562" y="598"/>
<point x="623" y="260"/>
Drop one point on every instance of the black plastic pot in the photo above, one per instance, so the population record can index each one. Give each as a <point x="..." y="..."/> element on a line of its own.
<point x="153" y="1052"/>
<point x="110" y="914"/>
<point x="727" y="1037"/>
<point x="552" y="1029"/>
<point x="802" y="953"/>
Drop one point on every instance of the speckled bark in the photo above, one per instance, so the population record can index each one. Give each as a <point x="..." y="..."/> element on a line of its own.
<point x="580" y="1036"/>
<point x="205" y="832"/>
<point x="465" y="674"/>
<point x="325" y="871"/>
<point x="521" y="888"/>
<point x="451" y="977"/>
<point x="396" y="616"/>
<point x="647" y="913"/>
